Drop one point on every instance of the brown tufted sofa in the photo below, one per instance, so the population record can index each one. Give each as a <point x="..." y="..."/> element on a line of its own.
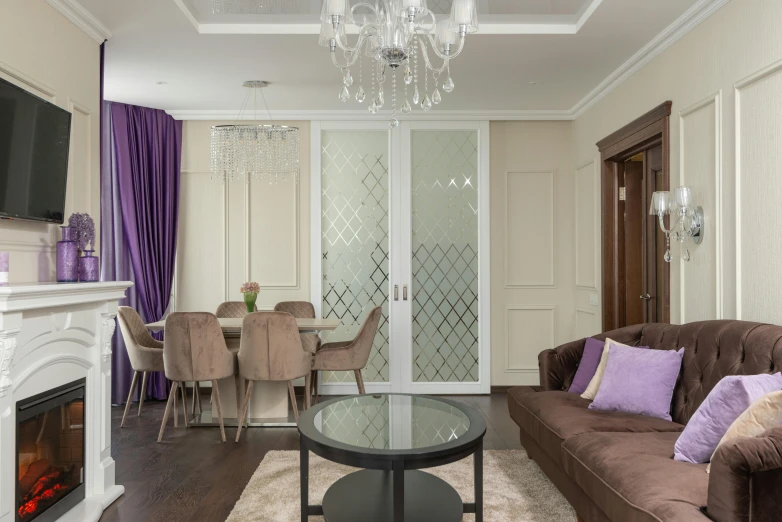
<point x="619" y="467"/>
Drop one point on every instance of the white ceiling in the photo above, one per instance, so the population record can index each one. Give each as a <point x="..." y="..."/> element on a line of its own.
<point x="154" y="41"/>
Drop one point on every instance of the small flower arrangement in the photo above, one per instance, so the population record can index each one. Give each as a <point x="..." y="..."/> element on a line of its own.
<point x="250" y="291"/>
<point x="84" y="229"/>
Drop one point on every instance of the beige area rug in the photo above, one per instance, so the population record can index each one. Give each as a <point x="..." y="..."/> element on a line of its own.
<point x="515" y="489"/>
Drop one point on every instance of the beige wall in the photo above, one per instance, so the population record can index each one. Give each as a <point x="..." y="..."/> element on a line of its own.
<point x="532" y="223"/>
<point x="44" y="53"/>
<point x="725" y="81"/>
<point x="234" y="232"/>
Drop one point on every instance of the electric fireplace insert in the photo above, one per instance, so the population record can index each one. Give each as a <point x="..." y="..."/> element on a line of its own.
<point x="50" y="453"/>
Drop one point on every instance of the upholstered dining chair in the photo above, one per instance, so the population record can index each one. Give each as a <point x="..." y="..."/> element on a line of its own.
<point x="270" y="350"/>
<point x="194" y="350"/>
<point x="302" y="310"/>
<point x="349" y="355"/>
<point x="144" y="351"/>
<point x="232" y="309"/>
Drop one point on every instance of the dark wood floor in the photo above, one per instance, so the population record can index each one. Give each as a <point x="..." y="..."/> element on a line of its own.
<point x="193" y="476"/>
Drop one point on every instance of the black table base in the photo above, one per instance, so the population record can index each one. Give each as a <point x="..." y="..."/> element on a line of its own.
<point x="368" y="495"/>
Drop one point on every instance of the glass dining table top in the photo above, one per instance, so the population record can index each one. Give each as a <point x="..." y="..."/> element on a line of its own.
<point x="391" y="422"/>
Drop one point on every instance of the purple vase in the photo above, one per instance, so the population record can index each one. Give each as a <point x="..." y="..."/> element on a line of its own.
<point x="89" y="267"/>
<point x="67" y="257"/>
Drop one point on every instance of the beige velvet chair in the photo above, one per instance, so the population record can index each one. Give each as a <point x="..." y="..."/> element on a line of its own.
<point x="302" y="310"/>
<point x="195" y="350"/>
<point x="144" y="351"/>
<point x="350" y="355"/>
<point x="232" y="309"/>
<point x="270" y="350"/>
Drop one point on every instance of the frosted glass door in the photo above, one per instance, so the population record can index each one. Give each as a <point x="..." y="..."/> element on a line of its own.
<point x="444" y="258"/>
<point x="355" y="240"/>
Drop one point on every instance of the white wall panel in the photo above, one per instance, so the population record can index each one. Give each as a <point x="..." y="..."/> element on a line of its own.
<point x="587" y="219"/>
<point x="586" y="323"/>
<point x="530" y="331"/>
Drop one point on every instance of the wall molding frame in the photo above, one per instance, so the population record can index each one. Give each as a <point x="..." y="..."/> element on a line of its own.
<point x="81" y="18"/>
<point x="28" y="82"/>
<point x="595" y="240"/>
<point x="510" y="308"/>
<point x="545" y="284"/>
<point x="714" y="99"/>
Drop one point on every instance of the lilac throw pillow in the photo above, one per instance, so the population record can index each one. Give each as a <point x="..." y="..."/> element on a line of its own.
<point x="593" y="349"/>
<point x="729" y="398"/>
<point x="639" y="381"/>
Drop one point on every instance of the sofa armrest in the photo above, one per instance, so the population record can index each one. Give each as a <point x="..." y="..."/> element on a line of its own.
<point x="558" y="366"/>
<point x="746" y="479"/>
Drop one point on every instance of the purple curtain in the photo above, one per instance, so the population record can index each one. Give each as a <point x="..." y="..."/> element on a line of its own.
<point x="139" y="211"/>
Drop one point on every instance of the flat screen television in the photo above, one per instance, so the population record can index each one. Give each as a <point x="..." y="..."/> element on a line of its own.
<point x="34" y="143"/>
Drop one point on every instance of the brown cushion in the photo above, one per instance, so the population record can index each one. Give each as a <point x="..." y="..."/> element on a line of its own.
<point x="552" y="417"/>
<point x="632" y="477"/>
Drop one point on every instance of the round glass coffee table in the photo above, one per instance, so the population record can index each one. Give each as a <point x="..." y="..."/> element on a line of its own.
<point x="392" y="437"/>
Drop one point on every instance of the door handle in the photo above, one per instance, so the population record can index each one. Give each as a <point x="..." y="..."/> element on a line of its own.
<point x="404" y="292"/>
<point x="646" y="297"/>
<point x="396" y="292"/>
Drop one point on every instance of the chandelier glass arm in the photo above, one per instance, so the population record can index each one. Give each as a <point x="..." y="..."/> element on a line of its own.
<point x="354" y="51"/>
<point x="446" y="59"/>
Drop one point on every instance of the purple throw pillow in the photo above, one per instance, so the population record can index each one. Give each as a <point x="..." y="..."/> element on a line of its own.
<point x="593" y="349"/>
<point x="729" y="398"/>
<point x="639" y="381"/>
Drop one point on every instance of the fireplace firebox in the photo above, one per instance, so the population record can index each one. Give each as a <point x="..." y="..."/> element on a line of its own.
<point x="50" y="451"/>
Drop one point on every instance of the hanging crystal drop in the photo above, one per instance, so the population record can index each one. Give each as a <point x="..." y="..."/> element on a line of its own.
<point x="427" y="103"/>
<point x="373" y="107"/>
<point x="686" y="254"/>
<point x="394" y="123"/>
<point x="344" y="94"/>
<point x="381" y="100"/>
<point x="668" y="256"/>
<point x="436" y="97"/>
<point x="360" y="94"/>
<point x="408" y="75"/>
<point x="347" y="79"/>
<point x="406" y="108"/>
<point x="416" y="96"/>
<point x="448" y="86"/>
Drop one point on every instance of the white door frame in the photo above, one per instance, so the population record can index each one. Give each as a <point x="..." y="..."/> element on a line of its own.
<point x="400" y="266"/>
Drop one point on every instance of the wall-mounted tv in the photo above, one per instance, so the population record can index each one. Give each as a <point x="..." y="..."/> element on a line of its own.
<point x="34" y="142"/>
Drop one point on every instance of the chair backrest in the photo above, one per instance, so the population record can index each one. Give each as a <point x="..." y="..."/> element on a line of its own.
<point x="136" y="337"/>
<point x="362" y="344"/>
<point x="298" y="309"/>
<point x="270" y="348"/>
<point x="194" y="348"/>
<point x="232" y="309"/>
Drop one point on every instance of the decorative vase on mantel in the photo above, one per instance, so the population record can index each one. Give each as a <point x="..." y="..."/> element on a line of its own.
<point x="68" y="257"/>
<point x="89" y="267"/>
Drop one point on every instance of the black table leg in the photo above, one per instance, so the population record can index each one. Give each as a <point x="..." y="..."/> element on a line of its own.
<point x="399" y="491"/>
<point x="478" y="460"/>
<point x="304" y="471"/>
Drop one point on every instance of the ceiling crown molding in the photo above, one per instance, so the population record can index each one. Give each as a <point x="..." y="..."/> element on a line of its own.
<point x="82" y="19"/>
<point x="696" y="14"/>
<point x="360" y="115"/>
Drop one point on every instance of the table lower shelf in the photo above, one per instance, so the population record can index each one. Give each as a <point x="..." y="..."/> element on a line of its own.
<point x="368" y="495"/>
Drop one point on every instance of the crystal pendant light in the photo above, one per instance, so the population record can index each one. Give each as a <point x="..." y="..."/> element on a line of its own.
<point x="397" y="34"/>
<point x="265" y="152"/>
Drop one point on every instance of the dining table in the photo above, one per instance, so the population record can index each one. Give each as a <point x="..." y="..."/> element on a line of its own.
<point x="269" y="401"/>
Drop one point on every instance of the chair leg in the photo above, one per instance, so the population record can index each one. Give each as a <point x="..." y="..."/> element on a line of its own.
<point x="196" y="398"/>
<point x="360" y="382"/>
<point x="216" y="392"/>
<point x="308" y="391"/>
<point x="169" y="403"/>
<point x="143" y="393"/>
<point x="184" y="403"/>
<point x="238" y="381"/>
<point x="315" y="385"/>
<point x="243" y="417"/>
<point x="133" y="384"/>
<point x="292" y="393"/>
<point x="176" y="408"/>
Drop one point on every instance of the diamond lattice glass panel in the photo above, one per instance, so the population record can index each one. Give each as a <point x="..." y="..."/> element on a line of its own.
<point x="355" y="240"/>
<point x="445" y="256"/>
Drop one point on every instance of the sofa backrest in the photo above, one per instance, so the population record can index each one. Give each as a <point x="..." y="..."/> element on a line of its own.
<point x="713" y="350"/>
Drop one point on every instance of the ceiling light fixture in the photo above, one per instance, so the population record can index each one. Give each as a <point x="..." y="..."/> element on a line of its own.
<point x="394" y="33"/>
<point x="266" y="152"/>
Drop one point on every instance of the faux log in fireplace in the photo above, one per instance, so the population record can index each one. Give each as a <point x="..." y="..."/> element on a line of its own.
<point x="50" y="453"/>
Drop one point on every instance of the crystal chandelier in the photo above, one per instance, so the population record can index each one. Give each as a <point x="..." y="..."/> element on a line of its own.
<point x="256" y="7"/>
<point x="266" y="152"/>
<point x="395" y="33"/>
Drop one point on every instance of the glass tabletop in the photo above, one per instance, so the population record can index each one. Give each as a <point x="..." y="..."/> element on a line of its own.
<point x="391" y="422"/>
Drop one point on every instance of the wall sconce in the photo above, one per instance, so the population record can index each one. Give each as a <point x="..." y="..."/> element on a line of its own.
<point x="686" y="219"/>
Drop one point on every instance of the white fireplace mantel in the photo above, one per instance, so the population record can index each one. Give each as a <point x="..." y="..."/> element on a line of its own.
<point x="52" y="334"/>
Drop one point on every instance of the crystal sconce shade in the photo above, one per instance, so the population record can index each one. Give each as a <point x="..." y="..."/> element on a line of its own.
<point x="397" y="35"/>
<point x="685" y="223"/>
